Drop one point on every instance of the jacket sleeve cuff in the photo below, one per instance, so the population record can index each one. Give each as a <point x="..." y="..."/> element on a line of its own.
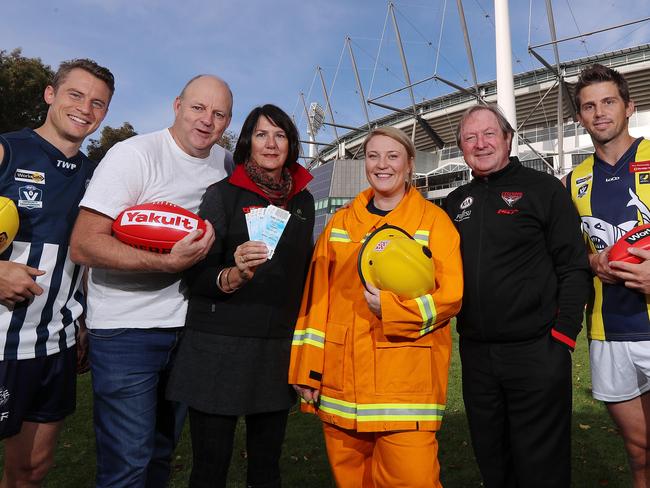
<point x="564" y="339"/>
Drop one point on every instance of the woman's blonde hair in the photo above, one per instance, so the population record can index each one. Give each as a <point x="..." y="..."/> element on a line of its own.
<point x="399" y="136"/>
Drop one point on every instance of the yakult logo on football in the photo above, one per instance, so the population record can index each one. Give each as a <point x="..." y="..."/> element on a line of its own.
<point x="164" y="219"/>
<point x="637" y="236"/>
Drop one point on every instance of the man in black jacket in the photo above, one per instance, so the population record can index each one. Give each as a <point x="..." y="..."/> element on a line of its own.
<point x="526" y="283"/>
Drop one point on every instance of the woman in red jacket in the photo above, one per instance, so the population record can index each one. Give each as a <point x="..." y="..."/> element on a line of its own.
<point x="243" y="304"/>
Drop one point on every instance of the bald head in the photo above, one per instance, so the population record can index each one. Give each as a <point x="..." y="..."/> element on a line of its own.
<point x="203" y="111"/>
<point x="207" y="80"/>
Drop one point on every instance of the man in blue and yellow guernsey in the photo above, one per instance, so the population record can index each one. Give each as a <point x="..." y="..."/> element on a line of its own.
<point x="611" y="190"/>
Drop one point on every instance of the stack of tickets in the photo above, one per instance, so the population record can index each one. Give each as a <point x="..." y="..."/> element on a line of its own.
<point x="266" y="225"/>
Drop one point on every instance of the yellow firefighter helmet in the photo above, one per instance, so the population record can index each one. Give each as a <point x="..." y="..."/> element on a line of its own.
<point x="390" y="259"/>
<point x="9" y="222"/>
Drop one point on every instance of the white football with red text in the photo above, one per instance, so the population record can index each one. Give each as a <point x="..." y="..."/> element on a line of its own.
<point x="155" y="226"/>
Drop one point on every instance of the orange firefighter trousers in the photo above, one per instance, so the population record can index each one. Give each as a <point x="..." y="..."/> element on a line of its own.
<point x="405" y="459"/>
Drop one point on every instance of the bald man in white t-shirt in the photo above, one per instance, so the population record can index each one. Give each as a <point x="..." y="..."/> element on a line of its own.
<point x="136" y="306"/>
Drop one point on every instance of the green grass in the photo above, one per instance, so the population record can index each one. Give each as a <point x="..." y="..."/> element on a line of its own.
<point x="598" y="455"/>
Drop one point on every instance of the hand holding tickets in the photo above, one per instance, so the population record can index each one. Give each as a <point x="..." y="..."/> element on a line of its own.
<point x="266" y="225"/>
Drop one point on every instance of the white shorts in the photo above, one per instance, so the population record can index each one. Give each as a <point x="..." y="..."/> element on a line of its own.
<point x="620" y="371"/>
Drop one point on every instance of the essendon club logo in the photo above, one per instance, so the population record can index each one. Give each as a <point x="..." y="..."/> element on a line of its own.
<point x="511" y="197"/>
<point x="637" y="236"/>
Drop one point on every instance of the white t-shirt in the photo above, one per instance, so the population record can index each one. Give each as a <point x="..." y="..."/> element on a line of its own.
<point x="144" y="169"/>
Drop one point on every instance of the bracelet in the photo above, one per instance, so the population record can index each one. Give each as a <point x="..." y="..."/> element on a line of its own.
<point x="232" y="288"/>
<point x="219" y="283"/>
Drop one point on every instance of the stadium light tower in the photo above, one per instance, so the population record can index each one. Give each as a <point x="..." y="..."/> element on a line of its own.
<point x="316" y="119"/>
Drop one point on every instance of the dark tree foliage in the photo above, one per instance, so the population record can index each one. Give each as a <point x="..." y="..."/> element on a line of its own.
<point x="97" y="148"/>
<point x="22" y="83"/>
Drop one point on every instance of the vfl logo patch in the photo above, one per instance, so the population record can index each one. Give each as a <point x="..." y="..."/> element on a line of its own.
<point x="30" y="197"/>
<point x="28" y="176"/>
<point x="584" y="179"/>
<point x="644" y="178"/>
<point x="511" y="197"/>
<point x="582" y="191"/>
<point x="466" y="203"/>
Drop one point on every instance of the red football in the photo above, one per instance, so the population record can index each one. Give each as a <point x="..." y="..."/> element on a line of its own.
<point x="155" y="226"/>
<point x="637" y="237"/>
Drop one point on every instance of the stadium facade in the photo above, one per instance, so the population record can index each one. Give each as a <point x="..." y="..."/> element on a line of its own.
<point x="339" y="170"/>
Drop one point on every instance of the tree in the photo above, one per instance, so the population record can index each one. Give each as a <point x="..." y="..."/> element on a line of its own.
<point x="228" y="140"/>
<point x="97" y="148"/>
<point x="22" y="83"/>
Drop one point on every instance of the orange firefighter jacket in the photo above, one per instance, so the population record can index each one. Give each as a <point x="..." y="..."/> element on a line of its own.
<point x="377" y="375"/>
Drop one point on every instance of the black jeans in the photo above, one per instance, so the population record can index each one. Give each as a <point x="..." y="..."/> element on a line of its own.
<point x="518" y="402"/>
<point x="212" y="443"/>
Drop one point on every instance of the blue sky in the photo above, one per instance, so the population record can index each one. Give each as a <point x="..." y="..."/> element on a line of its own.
<point x="268" y="51"/>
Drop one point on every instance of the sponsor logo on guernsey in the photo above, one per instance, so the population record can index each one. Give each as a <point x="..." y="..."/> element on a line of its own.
<point x="613" y="178"/>
<point x="507" y="211"/>
<point x="639" y="166"/>
<point x="644" y="178"/>
<point x="164" y="219"/>
<point x="584" y="179"/>
<point x="466" y="203"/>
<point x="511" y="197"/>
<point x="30" y="197"/>
<point x="582" y="191"/>
<point x="464" y="215"/>
<point x="37" y="177"/>
<point x="65" y="164"/>
<point x="637" y="236"/>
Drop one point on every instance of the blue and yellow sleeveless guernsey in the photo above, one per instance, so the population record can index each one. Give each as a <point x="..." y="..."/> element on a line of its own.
<point x="611" y="200"/>
<point x="46" y="187"/>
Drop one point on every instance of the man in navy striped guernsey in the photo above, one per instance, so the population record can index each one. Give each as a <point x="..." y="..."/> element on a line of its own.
<point x="45" y="174"/>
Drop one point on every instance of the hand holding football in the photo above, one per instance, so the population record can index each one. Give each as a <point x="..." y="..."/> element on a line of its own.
<point x="155" y="226"/>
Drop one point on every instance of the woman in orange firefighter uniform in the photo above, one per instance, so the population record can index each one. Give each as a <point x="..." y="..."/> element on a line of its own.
<point x="372" y="365"/>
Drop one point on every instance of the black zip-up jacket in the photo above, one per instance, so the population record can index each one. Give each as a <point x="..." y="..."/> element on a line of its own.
<point x="267" y="305"/>
<point x="525" y="262"/>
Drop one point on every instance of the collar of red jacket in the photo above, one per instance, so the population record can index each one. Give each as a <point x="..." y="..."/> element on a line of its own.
<point x="300" y="176"/>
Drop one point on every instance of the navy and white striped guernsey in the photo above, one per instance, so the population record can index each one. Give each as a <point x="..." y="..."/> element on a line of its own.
<point x="46" y="187"/>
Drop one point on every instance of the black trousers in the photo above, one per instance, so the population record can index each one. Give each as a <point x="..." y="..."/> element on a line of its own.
<point x="212" y="444"/>
<point x="518" y="400"/>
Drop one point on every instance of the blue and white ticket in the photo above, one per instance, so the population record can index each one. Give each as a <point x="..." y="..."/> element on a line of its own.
<point x="267" y="225"/>
<point x="275" y="221"/>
